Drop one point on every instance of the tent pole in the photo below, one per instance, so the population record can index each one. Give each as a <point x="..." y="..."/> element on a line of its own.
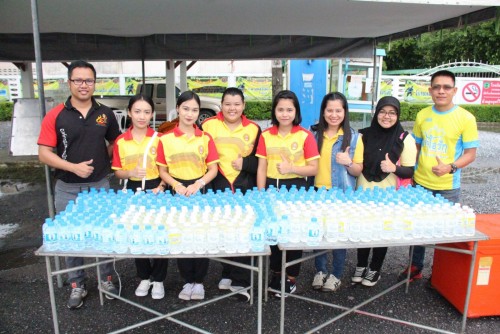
<point x="375" y="77"/>
<point x="41" y="98"/>
<point x="41" y="95"/>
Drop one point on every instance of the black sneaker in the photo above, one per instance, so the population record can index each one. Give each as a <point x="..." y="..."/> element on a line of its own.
<point x="371" y="278"/>
<point x="359" y="274"/>
<point x="289" y="288"/>
<point x="76" y="297"/>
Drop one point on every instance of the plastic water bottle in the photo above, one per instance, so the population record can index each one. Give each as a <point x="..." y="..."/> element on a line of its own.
<point x="77" y="236"/>
<point x="332" y="229"/>
<point x="161" y="240"/>
<point x="200" y="239"/>
<point x="49" y="235"/>
<point x="174" y="238"/>
<point x="148" y="239"/>
<point x="284" y="229"/>
<point x="315" y="232"/>
<point x="213" y="236"/>
<point x="272" y="230"/>
<point x="121" y="239"/>
<point x="229" y="236"/>
<point x="64" y="236"/>
<point x="107" y="242"/>
<point x="243" y="237"/>
<point x="344" y="226"/>
<point x="470" y="226"/>
<point x="257" y="241"/>
<point x="135" y="240"/>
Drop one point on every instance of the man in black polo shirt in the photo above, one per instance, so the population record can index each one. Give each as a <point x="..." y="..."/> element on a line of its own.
<point x="73" y="141"/>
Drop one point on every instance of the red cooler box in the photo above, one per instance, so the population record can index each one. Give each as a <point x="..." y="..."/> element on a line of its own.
<point x="451" y="271"/>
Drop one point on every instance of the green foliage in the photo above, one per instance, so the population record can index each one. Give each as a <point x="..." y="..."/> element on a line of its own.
<point x="6" y="111"/>
<point x="478" y="42"/>
<point x="258" y="110"/>
<point x="483" y="113"/>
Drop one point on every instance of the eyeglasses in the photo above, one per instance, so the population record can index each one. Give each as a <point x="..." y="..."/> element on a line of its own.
<point x="387" y="113"/>
<point x="446" y="88"/>
<point x="79" y="82"/>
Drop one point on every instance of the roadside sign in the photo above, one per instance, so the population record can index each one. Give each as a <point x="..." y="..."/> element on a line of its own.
<point x="491" y="92"/>
<point x="471" y="92"/>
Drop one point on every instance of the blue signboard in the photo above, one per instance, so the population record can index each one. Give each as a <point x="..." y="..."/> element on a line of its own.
<point x="308" y="79"/>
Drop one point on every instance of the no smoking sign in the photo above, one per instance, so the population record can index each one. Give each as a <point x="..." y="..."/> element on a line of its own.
<point x="471" y="92"/>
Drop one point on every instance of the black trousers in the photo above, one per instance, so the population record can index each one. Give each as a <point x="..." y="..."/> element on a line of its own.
<point x="238" y="276"/>
<point x="275" y="261"/>
<point x="193" y="270"/>
<point x="154" y="269"/>
<point x="378" y="257"/>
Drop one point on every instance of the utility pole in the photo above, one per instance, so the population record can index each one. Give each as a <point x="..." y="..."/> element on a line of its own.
<point x="277" y="73"/>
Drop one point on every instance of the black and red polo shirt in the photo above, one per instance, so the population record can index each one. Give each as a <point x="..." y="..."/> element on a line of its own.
<point x="78" y="139"/>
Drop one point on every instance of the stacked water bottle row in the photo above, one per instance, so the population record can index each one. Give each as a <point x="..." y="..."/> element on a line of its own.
<point x="145" y="223"/>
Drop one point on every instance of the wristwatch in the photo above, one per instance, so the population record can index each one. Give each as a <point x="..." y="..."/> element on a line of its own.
<point x="453" y="168"/>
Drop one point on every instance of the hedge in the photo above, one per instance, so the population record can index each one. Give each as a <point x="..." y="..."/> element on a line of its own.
<point x="261" y="110"/>
<point x="6" y="111"/>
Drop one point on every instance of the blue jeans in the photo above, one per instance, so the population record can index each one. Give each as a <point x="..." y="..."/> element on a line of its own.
<point x="453" y="196"/>
<point x="338" y="262"/>
<point x="63" y="193"/>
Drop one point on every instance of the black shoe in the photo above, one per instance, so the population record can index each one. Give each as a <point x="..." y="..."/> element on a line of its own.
<point x="371" y="278"/>
<point x="289" y="288"/>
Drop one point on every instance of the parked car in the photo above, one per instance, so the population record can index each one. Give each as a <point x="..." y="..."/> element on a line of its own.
<point x="157" y="91"/>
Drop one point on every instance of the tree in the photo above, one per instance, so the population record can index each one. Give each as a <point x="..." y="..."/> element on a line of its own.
<point x="479" y="42"/>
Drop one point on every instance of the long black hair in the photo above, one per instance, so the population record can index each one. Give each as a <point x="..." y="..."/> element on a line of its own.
<point x="286" y="95"/>
<point x="140" y="97"/>
<point x="323" y="125"/>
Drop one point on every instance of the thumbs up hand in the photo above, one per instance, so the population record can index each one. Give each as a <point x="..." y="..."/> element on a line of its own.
<point x="343" y="158"/>
<point x="237" y="164"/>
<point x="386" y="165"/>
<point x="285" y="166"/>
<point x="441" y="168"/>
<point x="84" y="169"/>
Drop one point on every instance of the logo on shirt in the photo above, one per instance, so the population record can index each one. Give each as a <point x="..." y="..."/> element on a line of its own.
<point x="246" y="137"/>
<point x="294" y="146"/>
<point x="152" y="150"/>
<point x="434" y="143"/>
<point x="102" y="120"/>
<point x="201" y="149"/>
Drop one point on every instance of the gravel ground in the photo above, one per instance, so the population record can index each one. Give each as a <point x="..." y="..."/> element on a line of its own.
<point x="25" y="305"/>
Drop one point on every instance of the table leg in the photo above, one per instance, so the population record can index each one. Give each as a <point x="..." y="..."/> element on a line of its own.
<point x="469" y="286"/>
<point x="266" y="277"/>
<point x="283" y="280"/>
<point x="259" y="296"/>
<point x="98" y="270"/>
<point x="252" y="263"/>
<point x="409" y="271"/>
<point x="52" y="297"/>
<point x="58" y="267"/>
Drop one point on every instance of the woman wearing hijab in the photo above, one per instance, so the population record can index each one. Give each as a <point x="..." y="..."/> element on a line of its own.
<point x="389" y="153"/>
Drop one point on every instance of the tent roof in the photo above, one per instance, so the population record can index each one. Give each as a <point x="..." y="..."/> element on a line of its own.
<point x="220" y="29"/>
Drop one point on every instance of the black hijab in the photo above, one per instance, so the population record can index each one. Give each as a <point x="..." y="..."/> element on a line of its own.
<point x="378" y="141"/>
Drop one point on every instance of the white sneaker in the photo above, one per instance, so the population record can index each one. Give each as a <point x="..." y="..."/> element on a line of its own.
<point x="225" y="284"/>
<point x="158" y="291"/>
<point x="198" y="292"/>
<point x="143" y="288"/>
<point x="186" y="291"/>
<point x="243" y="295"/>
<point x="319" y="280"/>
<point x="332" y="283"/>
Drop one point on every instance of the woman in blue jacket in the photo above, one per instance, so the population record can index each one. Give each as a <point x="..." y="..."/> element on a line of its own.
<point x="341" y="161"/>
